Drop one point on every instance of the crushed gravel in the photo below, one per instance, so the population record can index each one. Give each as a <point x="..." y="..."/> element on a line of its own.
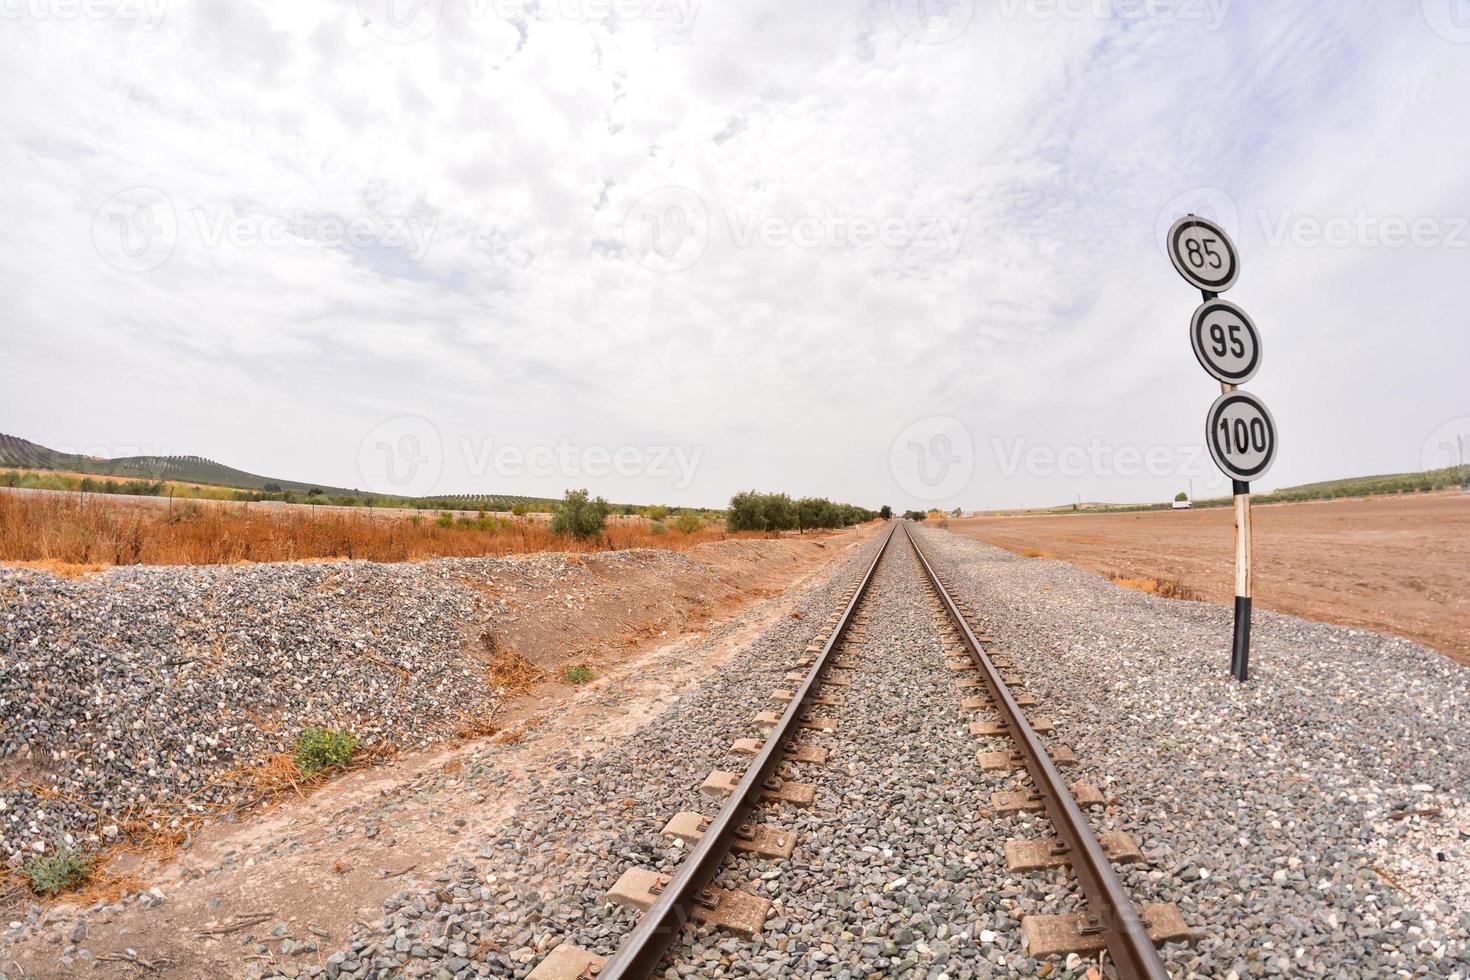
<point x="1276" y="814"/>
<point x="1267" y="813"/>
<point x="1310" y="823"/>
<point x="127" y="696"/>
<point x="539" y="880"/>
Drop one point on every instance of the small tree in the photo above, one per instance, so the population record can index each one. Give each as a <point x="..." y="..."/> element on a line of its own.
<point x="747" y="512"/>
<point x="688" y="523"/>
<point x="780" y="512"/>
<point x="656" y="513"/>
<point x="886" y="512"/>
<point x="578" y="516"/>
<point x="1181" y="497"/>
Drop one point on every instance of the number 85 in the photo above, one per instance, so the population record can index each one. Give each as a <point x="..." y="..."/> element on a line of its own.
<point x="1202" y="254"/>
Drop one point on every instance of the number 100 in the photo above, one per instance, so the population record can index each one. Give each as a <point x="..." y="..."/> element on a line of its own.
<point x="1242" y="437"/>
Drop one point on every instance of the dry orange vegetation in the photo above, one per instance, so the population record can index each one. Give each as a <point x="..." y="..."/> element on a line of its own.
<point x="63" y="533"/>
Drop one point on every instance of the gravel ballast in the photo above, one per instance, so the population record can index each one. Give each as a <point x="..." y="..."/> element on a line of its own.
<point x="1282" y="816"/>
<point x="1262" y="811"/>
<point x="127" y="696"/>
<point x="1310" y="823"/>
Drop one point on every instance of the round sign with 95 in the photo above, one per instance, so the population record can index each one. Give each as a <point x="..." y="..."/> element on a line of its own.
<point x="1225" y="342"/>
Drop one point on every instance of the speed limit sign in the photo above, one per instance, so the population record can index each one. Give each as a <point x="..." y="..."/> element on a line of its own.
<point x="1241" y="435"/>
<point x="1203" y="254"/>
<point x="1225" y="342"/>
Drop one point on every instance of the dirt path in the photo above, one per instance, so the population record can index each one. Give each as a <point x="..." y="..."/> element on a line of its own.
<point x="309" y="869"/>
<point x="1392" y="564"/>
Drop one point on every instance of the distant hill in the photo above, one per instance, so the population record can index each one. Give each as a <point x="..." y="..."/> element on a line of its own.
<point x="1356" y="486"/>
<point x="24" y="454"/>
<point x="18" y="452"/>
<point x="1366" y="486"/>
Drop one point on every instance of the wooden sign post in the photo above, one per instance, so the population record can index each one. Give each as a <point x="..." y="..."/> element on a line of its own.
<point x="1239" y="429"/>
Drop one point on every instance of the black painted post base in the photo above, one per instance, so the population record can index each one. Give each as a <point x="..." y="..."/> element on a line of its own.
<point x="1240" y="657"/>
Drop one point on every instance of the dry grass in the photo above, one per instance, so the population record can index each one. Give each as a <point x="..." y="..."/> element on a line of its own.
<point x="508" y="670"/>
<point x="60" y="568"/>
<point x="1153" y="586"/>
<point x="69" y="535"/>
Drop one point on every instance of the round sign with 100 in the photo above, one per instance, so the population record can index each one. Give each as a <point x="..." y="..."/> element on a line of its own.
<point x="1241" y="435"/>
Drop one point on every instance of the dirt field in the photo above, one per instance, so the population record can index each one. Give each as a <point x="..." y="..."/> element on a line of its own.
<point x="1394" y="564"/>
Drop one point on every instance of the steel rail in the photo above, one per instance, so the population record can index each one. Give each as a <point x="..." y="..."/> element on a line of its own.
<point x="638" y="955"/>
<point x="1128" y="942"/>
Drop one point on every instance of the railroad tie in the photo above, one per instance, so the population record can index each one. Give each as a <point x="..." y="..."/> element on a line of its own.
<point x="821" y="700"/>
<point x="770" y="719"/>
<point x="568" y="962"/>
<point x="1002" y="729"/>
<point x="738" y="911"/>
<point x="758" y="839"/>
<point x="720" y="784"/>
<point x="1030" y="801"/>
<point x="986" y="703"/>
<point x="1041" y="853"/>
<point x="790" y="752"/>
<point x="1078" y="932"/>
<point x="1061" y="756"/>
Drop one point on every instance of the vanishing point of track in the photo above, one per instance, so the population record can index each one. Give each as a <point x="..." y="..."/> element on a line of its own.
<point x="1111" y="921"/>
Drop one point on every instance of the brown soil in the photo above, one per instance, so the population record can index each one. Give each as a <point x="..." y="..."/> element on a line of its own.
<point x="321" y="863"/>
<point x="1397" y="565"/>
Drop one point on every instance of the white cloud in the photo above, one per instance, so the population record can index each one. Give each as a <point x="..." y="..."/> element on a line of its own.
<point x="1038" y="151"/>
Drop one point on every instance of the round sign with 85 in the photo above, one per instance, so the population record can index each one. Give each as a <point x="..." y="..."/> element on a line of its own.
<point x="1203" y="254"/>
<point x="1241" y="435"/>
<point x="1226" y="342"/>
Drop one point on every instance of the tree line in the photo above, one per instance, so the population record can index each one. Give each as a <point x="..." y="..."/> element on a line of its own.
<point x="755" y="511"/>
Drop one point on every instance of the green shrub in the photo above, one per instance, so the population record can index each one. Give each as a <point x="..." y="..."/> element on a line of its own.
<point x="579" y="674"/>
<point x="578" y="516"/>
<point x="657" y="528"/>
<point x="52" y="874"/>
<point x="445" y="520"/>
<point x="752" y="511"/>
<point x="688" y="523"/>
<point x="322" y="748"/>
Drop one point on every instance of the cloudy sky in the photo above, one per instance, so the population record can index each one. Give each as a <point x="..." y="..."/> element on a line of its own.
<point x="899" y="252"/>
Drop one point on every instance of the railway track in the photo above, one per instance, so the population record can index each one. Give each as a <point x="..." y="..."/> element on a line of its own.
<point x="1108" y="921"/>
